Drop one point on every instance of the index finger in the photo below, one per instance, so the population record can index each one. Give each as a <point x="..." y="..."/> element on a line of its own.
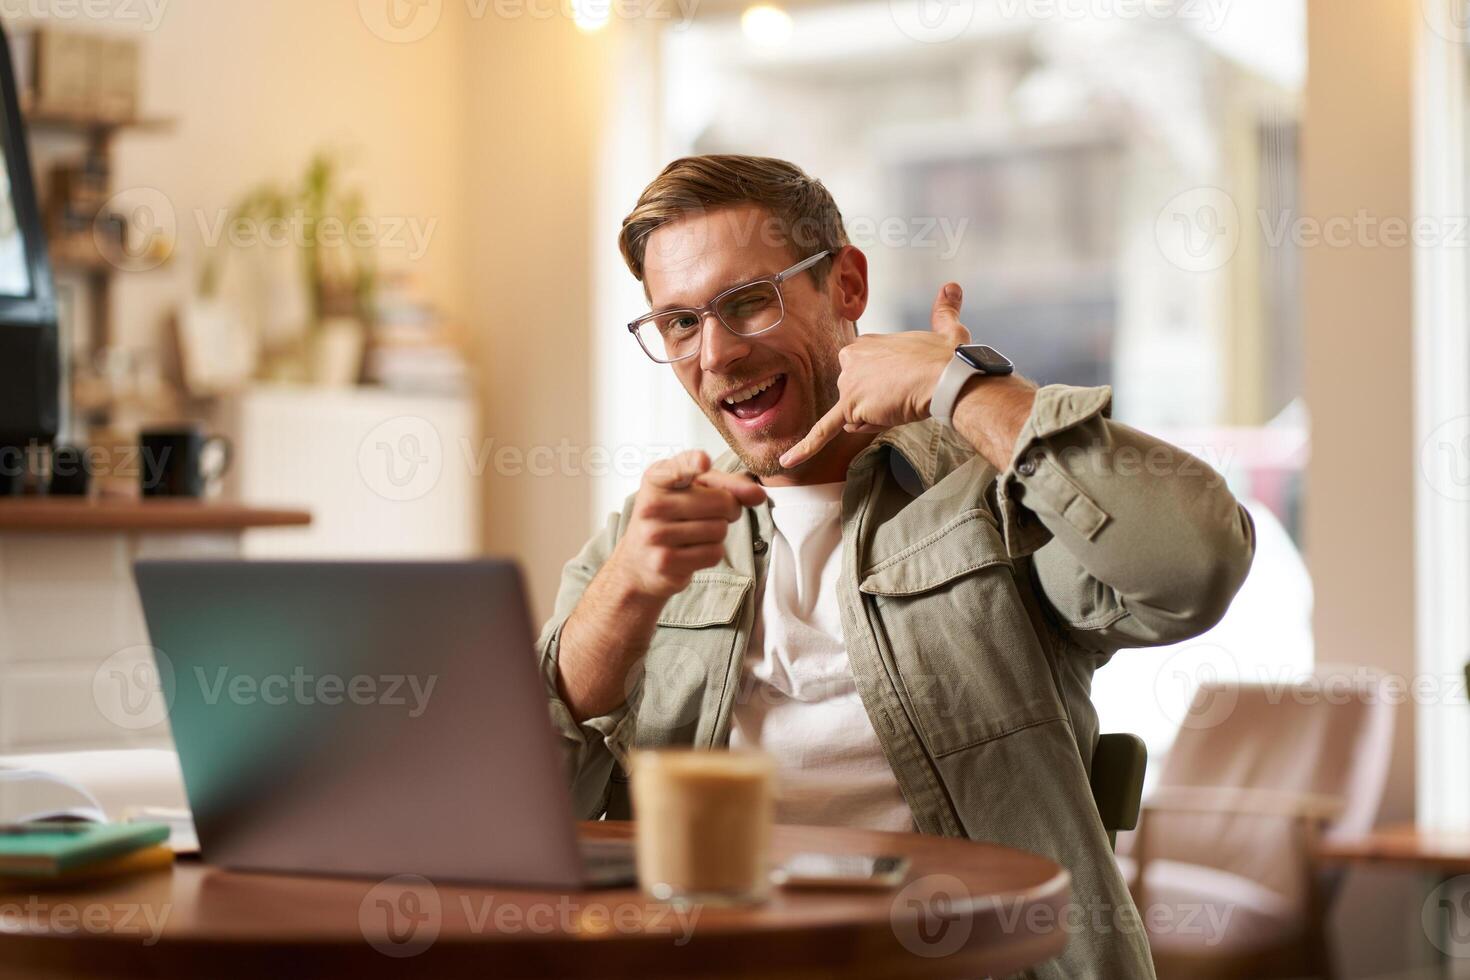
<point x="748" y="492"/>
<point x="677" y="472"/>
<point x="822" y="433"/>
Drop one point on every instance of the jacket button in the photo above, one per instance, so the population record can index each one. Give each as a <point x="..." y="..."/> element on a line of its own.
<point x="760" y="546"/>
<point x="1027" y="466"/>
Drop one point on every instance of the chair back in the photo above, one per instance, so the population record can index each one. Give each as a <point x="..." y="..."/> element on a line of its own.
<point x="1118" y="765"/>
<point x="1327" y="735"/>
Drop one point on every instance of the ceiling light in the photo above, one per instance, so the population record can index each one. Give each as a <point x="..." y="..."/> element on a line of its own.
<point x="766" y="25"/>
<point x="591" y="15"/>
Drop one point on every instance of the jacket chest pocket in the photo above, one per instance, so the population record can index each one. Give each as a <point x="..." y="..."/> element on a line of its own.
<point x="967" y="654"/>
<point x="681" y="680"/>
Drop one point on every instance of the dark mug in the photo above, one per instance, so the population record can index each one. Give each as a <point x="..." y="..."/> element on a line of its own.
<point x="69" y="475"/>
<point x="172" y="463"/>
<point x="13" y="469"/>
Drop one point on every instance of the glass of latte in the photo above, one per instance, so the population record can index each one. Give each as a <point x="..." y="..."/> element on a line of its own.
<point x="703" y="824"/>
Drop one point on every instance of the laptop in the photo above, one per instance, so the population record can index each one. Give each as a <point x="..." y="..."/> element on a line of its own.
<point x="367" y="719"/>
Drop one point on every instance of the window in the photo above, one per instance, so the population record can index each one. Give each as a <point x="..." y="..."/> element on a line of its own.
<point x="1442" y="342"/>
<point x="1117" y="195"/>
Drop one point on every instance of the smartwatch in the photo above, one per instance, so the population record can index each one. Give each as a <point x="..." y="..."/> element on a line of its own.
<point x="968" y="361"/>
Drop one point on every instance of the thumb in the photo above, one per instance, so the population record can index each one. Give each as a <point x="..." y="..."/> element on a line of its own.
<point x="945" y="317"/>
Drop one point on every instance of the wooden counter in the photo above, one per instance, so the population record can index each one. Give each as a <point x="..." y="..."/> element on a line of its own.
<point x="159" y="514"/>
<point x="73" y="644"/>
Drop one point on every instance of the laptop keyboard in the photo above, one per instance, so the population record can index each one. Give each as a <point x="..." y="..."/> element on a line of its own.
<point x="606" y="853"/>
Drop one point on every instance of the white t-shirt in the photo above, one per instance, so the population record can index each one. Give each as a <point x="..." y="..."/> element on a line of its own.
<point x="798" y="699"/>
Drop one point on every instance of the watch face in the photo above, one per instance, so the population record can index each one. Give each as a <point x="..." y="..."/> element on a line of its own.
<point x="985" y="359"/>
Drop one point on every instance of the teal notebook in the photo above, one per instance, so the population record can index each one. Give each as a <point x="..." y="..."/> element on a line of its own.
<point x="47" y="849"/>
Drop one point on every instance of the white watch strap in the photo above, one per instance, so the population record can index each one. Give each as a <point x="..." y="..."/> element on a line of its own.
<point x="947" y="392"/>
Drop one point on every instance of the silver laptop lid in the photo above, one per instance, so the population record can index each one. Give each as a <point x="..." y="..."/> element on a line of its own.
<point x="362" y="718"/>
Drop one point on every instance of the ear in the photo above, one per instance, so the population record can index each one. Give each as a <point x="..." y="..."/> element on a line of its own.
<point x="848" y="283"/>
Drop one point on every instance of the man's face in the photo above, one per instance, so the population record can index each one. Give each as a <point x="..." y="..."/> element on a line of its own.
<point x="686" y="264"/>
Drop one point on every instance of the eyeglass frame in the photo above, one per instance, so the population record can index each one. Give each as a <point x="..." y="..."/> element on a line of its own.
<point x="709" y="309"/>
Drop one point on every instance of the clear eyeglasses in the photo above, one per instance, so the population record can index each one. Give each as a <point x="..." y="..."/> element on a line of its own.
<point x="746" y="310"/>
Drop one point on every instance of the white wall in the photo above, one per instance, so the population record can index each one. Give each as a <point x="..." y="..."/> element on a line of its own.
<point x="533" y="129"/>
<point x="1357" y="154"/>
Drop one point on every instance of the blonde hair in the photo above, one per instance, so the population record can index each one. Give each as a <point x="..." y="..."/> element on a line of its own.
<point x="805" y="217"/>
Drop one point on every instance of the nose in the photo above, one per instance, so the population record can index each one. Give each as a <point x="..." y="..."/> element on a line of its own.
<point x="719" y="348"/>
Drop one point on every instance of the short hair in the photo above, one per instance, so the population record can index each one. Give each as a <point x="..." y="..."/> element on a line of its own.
<point x="805" y="216"/>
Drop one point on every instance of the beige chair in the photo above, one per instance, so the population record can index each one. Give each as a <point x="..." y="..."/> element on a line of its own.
<point x="1221" y="866"/>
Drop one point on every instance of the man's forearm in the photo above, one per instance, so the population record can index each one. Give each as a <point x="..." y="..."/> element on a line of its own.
<point x="602" y="640"/>
<point x="990" y="414"/>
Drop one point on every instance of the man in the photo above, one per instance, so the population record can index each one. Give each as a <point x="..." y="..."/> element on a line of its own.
<point x="905" y="610"/>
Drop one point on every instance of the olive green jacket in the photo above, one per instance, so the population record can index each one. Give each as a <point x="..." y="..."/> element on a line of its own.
<point x="975" y="606"/>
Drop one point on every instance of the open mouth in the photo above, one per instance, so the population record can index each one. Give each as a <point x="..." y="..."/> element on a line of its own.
<point x="750" y="404"/>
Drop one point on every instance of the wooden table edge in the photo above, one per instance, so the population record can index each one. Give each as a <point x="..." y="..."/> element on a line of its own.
<point x="60" y="514"/>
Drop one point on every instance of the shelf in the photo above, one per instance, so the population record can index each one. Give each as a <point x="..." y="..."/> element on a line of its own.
<point x="84" y="514"/>
<point x="89" y="122"/>
<point x="79" y="254"/>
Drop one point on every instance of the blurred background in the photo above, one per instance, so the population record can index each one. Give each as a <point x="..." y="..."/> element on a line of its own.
<point x="373" y="243"/>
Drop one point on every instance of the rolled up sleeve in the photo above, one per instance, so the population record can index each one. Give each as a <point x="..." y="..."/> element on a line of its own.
<point x="1135" y="542"/>
<point x="593" y="746"/>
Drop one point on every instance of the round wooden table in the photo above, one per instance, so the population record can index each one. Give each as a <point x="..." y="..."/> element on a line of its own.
<point x="965" y="910"/>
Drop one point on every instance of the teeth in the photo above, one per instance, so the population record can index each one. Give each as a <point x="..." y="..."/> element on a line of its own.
<point x="749" y="393"/>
